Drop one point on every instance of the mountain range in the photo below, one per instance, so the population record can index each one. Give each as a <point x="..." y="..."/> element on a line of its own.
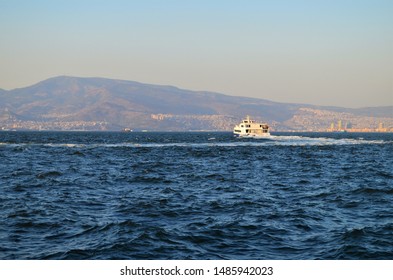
<point x="73" y="103"/>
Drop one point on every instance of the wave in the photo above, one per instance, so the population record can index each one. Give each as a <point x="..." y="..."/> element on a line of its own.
<point x="272" y="141"/>
<point x="322" y="141"/>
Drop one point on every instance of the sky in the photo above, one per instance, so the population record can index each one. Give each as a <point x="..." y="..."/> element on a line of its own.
<point x="333" y="52"/>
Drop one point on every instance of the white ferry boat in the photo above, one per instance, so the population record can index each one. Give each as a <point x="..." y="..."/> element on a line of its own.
<point x="252" y="129"/>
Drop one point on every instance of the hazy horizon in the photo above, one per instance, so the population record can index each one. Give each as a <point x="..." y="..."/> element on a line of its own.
<point x="181" y="88"/>
<point x="329" y="53"/>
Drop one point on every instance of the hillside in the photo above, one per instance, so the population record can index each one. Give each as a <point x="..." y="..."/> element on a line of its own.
<point x="71" y="103"/>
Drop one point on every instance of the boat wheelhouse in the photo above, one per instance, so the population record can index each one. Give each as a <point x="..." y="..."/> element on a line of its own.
<point x="251" y="128"/>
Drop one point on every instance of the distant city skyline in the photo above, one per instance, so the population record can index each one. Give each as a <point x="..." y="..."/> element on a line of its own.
<point x="332" y="53"/>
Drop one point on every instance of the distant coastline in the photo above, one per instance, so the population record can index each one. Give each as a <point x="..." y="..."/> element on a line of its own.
<point x="99" y="104"/>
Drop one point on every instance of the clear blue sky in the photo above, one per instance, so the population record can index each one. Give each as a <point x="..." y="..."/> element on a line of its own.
<point x="318" y="52"/>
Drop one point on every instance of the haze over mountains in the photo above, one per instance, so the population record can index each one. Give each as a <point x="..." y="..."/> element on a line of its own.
<point x="72" y="103"/>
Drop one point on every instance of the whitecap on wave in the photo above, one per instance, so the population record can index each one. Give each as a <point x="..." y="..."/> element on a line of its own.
<point x="272" y="141"/>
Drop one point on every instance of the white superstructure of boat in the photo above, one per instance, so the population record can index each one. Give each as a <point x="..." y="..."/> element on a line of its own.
<point x="252" y="129"/>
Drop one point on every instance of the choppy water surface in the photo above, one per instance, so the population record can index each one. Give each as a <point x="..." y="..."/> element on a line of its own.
<point x="195" y="196"/>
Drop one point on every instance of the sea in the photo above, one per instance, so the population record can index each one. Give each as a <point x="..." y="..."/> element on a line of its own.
<point x="195" y="195"/>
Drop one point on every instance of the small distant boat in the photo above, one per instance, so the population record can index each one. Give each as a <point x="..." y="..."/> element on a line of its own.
<point x="250" y="128"/>
<point x="127" y="130"/>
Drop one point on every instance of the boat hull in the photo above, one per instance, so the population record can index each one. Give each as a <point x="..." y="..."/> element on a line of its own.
<point x="252" y="135"/>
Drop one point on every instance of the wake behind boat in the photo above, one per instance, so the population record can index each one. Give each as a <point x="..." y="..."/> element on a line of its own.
<point x="250" y="128"/>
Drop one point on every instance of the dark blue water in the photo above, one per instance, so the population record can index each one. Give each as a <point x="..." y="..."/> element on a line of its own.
<point x="195" y="196"/>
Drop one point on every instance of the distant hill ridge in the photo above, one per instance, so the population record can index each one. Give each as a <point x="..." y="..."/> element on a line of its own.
<point x="68" y="103"/>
